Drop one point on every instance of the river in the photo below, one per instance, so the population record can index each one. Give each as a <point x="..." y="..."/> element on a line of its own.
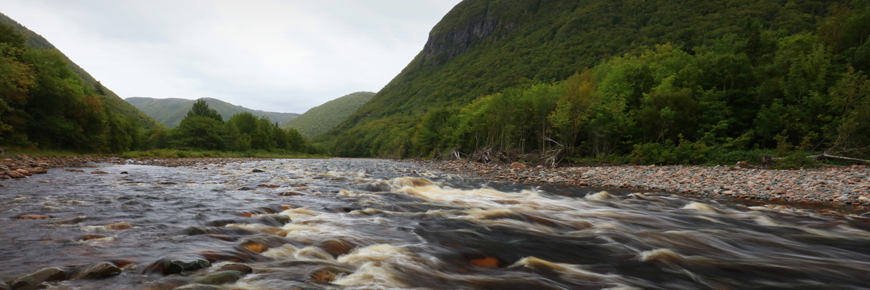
<point x="378" y="224"/>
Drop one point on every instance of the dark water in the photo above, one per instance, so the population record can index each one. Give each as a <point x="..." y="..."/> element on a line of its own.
<point x="377" y="224"/>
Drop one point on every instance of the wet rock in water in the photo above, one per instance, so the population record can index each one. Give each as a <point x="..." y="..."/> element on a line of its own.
<point x="217" y="278"/>
<point x="322" y="276"/>
<point x="194" y="231"/>
<point x="37" y="170"/>
<point x="257" y="170"/>
<point x="96" y="271"/>
<point x="124" y="172"/>
<point x="119" y="226"/>
<point x="99" y="172"/>
<point x="290" y="193"/>
<point x="198" y="287"/>
<point x="32" y="217"/>
<point x="178" y="265"/>
<point x="517" y="165"/>
<point x="24" y="172"/>
<point x="336" y="247"/>
<point x="488" y="262"/>
<point x="245" y="269"/>
<point x="90" y="237"/>
<point x="271" y="219"/>
<point x="167" y="283"/>
<point x="34" y="280"/>
<point x="14" y="174"/>
<point x="261" y="243"/>
<point x="267" y="185"/>
<point x="3" y="286"/>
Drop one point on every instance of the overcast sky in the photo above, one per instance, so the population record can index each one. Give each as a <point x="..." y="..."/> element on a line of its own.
<point x="272" y="55"/>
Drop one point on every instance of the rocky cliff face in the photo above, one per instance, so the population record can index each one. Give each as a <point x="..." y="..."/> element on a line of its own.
<point x="442" y="46"/>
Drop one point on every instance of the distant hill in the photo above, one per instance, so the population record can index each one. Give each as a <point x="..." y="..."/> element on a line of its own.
<point x="111" y="100"/>
<point x="171" y="111"/>
<point x="322" y="118"/>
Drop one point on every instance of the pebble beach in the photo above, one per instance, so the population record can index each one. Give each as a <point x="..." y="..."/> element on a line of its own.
<point x="836" y="185"/>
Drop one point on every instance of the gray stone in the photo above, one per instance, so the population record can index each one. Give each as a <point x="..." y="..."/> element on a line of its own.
<point x="34" y="280"/>
<point x="198" y="287"/>
<point x="245" y="269"/>
<point x="96" y="271"/>
<point x="178" y="265"/>
<point x="218" y="278"/>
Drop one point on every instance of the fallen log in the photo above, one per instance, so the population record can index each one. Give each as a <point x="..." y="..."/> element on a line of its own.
<point x="828" y="156"/>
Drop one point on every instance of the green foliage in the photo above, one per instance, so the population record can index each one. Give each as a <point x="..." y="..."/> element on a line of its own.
<point x="110" y="100"/>
<point x="171" y="111"/>
<point x="796" y="160"/>
<point x="204" y="130"/>
<point x="694" y="82"/>
<point x="320" y="119"/>
<point x="200" y="108"/>
<point x="484" y="47"/>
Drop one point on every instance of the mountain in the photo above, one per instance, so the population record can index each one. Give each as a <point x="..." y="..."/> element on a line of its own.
<point x="322" y="118"/>
<point x="171" y="111"/>
<point x="111" y="100"/>
<point x="487" y="50"/>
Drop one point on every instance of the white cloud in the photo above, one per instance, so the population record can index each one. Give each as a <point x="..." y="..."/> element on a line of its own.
<point x="269" y="55"/>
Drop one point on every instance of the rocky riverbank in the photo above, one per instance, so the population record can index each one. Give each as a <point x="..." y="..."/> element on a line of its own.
<point x="21" y="166"/>
<point x="844" y="185"/>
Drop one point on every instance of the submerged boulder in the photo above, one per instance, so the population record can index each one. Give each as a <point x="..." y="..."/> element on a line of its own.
<point x="34" y="280"/>
<point x="96" y="271"/>
<point x="218" y="278"/>
<point x="178" y="265"/>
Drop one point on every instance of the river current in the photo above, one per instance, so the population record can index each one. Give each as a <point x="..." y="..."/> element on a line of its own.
<point x="378" y="224"/>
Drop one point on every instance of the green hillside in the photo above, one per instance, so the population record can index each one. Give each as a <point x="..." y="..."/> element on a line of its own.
<point x="322" y="118"/>
<point x="733" y="75"/>
<point x="171" y="111"/>
<point x="110" y="99"/>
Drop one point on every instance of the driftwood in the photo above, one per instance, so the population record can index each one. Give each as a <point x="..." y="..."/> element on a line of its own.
<point x="828" y="156"/>
<point x="554" y="155"/>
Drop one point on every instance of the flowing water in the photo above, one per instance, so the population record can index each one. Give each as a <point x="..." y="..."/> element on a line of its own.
<point x="376" y="224"/>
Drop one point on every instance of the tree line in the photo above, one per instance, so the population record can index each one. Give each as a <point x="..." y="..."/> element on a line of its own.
<point x="44" y="105"/>
<point x="753" y="91"/>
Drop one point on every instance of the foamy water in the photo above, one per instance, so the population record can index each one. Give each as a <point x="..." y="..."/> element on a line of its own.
<point x="374" y="224"/>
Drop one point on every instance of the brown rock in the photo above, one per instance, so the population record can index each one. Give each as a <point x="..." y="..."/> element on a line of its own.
<point x="245" y="269"/>
<point x="37" y="170"/>
<point x="34" y="280"/>
<point x="119" y="226"/>
<point x="90" y="237"/>
<point x="14" y="174"/>
<point x="25" y="172"/>
<point x="517" y="165"/>
<point x="96" y="271"/>
<point x="99" y="172"/>
<point x="488" y="262"/>
<point x="322" y="276"/>
<point x="269" y="185"/>
<point x="336" y="247"/>
<point x="32" y="217"/>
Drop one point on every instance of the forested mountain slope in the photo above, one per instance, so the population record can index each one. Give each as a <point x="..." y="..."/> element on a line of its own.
<point x="322" y="118"/>
<point x="111" y="100"/>
<point x="647" y="75"/>
<point x="171" y="111"/>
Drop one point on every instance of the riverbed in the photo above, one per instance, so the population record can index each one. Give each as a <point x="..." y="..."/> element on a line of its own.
<point x="378" y="224"/>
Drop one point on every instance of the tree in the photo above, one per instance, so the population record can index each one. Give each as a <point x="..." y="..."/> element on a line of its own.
<point x="200" y="108"/>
